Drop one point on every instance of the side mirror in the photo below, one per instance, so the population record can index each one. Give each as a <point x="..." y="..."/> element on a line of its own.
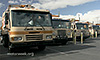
<point x="50" y="15"/>
<point x="6" y="22"/>
<point x="74" y="27"/>
<point x="6" y="18"/>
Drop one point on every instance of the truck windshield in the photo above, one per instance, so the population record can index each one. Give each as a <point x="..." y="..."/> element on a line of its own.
<point x="61" y="24"/>
<point x="21" y="18"/>
<point x="96" y="27"/>
<point x="81" y="26"/>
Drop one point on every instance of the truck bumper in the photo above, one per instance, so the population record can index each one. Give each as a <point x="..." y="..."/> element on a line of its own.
<point x="59" y="40"/>
<point x="84" y="37"/>
<point x="31" y="44"/>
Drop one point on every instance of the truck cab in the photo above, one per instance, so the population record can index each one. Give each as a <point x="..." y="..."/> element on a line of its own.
<point x="97" y="28"/>
<point x="24" y="25"/>
<point x="82" y="27"/>
<point x="61" y="30"/>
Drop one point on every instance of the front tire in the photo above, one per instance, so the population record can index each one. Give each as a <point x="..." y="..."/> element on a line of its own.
<point x="10" y="49"/>
<point x="64" y="42"/>
<point x="5" y="41"/>
<point x="41" y="48"/>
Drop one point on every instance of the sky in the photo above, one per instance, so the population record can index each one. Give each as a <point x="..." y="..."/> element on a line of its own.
<point x="87" y="10"/>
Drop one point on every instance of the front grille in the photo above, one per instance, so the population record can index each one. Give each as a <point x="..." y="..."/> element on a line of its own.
<point x="62" y="33"/>
<point x="34" y="37"/>
<point x="68" y="32"/>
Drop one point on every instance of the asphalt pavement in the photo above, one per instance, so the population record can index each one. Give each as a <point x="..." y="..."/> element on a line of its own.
<point x="90" y="50"/>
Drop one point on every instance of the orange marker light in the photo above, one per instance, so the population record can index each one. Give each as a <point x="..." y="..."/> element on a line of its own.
<point x="47" y="10"/>
<point x="12" y="38"/>
<point x="16" y="7"/>
<point x="32" y="8"/>
<point x="22" y="5"/>
<point x="28" y="8"/>
<point x="36" y="9"/>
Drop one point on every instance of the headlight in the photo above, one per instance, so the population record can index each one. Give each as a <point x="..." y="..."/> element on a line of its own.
<point x="69" y="33"/>
<point x="16" y="38"/>
<point x="48" y="36"/>
<point x="1" y="37"/>
<point x="54" y="34"/>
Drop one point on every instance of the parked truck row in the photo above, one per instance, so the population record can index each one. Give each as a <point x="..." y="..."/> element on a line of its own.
<point x="24" y="25"/>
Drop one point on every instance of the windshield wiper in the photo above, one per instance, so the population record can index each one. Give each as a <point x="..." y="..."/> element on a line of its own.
<point x="39" y="24"/>
<point x="26" y="26"/>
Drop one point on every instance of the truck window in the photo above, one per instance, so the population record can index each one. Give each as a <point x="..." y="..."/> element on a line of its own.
<point x="61" y="24"/>
<point x="81" y="26"/>
<point x="96" y="27"/>
<point x="28" y="18"/>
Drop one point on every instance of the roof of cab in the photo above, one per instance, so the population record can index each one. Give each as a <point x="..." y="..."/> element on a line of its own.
<point x="82" y="23"/>
<point x="25" y="7"/>
<point x="61" y="20"/>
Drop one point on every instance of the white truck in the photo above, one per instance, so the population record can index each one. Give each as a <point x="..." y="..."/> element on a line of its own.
<point x="84" y="28"/>
<point x="62" y="30"/>
<point x="24" y="25"/>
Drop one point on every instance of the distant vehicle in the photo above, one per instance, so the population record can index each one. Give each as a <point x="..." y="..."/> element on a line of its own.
<point x="97" y="28"/>
<point x="82" y="27"/>
<point x="61" y="30"/>
<point x="24" y="25"/>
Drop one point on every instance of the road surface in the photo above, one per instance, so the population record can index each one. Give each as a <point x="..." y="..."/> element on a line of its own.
<point x="90" y="50"/>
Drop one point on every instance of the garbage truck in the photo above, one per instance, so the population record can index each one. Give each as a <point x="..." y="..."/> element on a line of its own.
<point x="97" y="28"/>
<point x="62" y="30"/>
<point x="24" y="25"/>
<point x="82" y="28"/>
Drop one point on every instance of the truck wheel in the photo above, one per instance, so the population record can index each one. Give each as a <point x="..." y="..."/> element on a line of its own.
<point x="64" y="43"/>
<point x="84" y="39"/>
<point x="5" y="41"/>
<point x="41" y="48"/>
<point x="10" y="49"/>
